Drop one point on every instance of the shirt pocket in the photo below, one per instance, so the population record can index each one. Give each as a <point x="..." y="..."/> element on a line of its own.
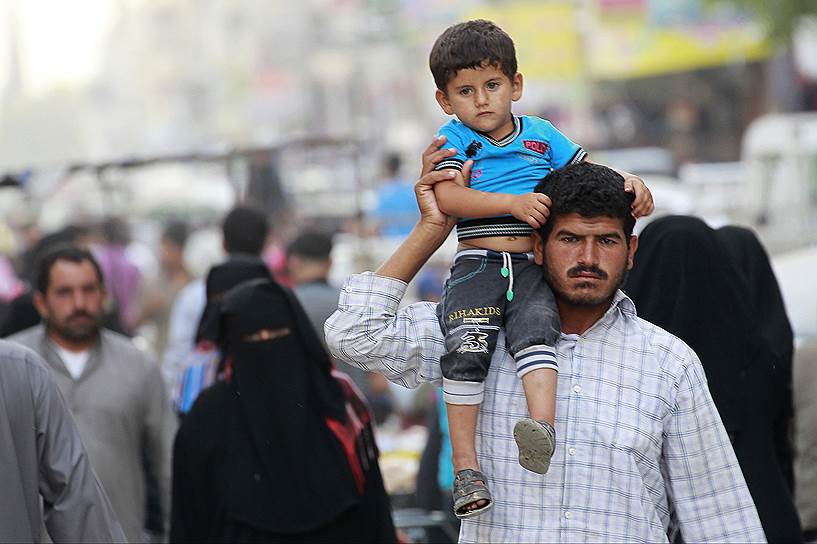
<point x="632" y="436"/>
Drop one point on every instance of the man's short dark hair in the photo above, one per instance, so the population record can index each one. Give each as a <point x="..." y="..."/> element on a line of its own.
<point x="590" y="190"/>
<point x="392" y="164"/>
<point x="471" y="44"/>
<point x="176" y="232"/>
<point x="63" y="252"/>
<point x="115" y="231"/>
<point x="311" y="244"/>
<point x="245" y="230"/>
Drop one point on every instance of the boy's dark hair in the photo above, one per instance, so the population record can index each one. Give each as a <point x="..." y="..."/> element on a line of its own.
<point x="63" y="252"/>
<point x="591" y="190"/>
<point x="245" y="230"/>
<point x="471" y="44"/>
<point x="311" y="244"/>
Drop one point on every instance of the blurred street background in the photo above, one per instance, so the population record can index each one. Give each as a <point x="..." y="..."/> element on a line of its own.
<point x="155" y="111"/>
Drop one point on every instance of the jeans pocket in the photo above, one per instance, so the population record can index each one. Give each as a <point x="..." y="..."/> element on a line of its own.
<point x="465" y="269"/>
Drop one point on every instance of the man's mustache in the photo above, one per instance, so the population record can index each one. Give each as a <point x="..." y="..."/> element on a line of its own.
<point x="576" y="271"/>
<point x="80" y="314"/>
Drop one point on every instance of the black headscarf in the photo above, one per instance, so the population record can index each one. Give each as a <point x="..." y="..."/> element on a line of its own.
<point x="287" y="472"/>
<point x="223" y="277"/>
<point x="753" y="262"/>
<point x="685" y="281"/>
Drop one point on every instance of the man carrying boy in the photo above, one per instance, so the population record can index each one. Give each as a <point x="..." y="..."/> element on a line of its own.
<point x="494" y="282"/>
<point x="642" y="454"/>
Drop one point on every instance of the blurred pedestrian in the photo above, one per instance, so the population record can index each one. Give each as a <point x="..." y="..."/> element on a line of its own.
<point x="309" y="261"/>
<point x="46" y="477"/>
<point x="245" y="233"/>
<point x="685" y="280"/>
<point x="394" y="212"/>
<point x="276" y="451"/>
<point x="430" y="282"/>
<point x="10" y="285"/>
<point x="115" y="391"/>
<point x="160" y="296"/>
<point x="122" y="276"/>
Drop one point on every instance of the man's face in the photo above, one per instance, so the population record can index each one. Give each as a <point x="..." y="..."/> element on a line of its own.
<point x="170" y="254"/>
<point x="585" y="258"/>
<point x="73" y="305"/>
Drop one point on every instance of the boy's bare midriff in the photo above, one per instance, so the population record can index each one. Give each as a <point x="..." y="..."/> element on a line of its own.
<point x="511" y="244"/>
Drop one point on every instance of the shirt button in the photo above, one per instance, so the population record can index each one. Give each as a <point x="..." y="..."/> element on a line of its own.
<point x="572" y="451"/>
<point x="577" y="388"/>
<point x="568" y="514"/>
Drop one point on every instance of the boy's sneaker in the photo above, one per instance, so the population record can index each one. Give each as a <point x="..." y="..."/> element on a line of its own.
<point x="536" y="441"/>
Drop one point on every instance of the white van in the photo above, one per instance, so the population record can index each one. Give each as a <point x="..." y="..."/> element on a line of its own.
<point x="779" y="153"/>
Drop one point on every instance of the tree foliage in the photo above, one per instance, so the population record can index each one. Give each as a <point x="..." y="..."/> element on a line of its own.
<point x="779" y="16"/>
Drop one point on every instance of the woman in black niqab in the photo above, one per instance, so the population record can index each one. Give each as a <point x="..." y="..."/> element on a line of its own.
<point x="276" y="452"/>
<point x="753" y="262"/>
<point x="686" y="281"/>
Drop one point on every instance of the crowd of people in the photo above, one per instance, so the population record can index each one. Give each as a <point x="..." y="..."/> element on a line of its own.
<point x="113" y="440"/>
<point x="109" y="447"/>
<point x="641" y="389"/>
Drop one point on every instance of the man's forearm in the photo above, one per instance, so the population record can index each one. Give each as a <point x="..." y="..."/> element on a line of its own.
<point x="413" y="253"/>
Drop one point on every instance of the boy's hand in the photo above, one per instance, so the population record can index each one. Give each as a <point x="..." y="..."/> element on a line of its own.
<point x="643" y="204"/>
<point x="532" y="208"/>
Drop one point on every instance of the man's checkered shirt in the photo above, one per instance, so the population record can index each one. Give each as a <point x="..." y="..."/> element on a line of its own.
<point x="640" y="449"/>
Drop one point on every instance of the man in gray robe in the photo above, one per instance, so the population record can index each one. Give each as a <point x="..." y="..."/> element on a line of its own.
<point x="114" y="390"/>
<point x="42" y="459"/>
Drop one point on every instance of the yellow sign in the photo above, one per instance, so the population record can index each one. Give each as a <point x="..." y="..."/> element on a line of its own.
<point x="627" y="48"/>
<point x="557" y="40"/>
<point x="547" y="44"/>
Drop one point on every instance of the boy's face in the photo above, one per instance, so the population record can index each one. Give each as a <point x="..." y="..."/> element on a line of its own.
<point x="481" y="98"/>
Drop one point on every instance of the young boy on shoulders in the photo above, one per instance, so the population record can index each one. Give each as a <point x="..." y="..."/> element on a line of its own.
<point x="494" y="282"/>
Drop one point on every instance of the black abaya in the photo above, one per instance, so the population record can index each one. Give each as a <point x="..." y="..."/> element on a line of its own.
<point x="264" y="456"/>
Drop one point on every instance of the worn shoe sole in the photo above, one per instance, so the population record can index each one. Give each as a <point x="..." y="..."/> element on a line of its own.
<point x="470" y="487"/>
<point x="536" y="443"/>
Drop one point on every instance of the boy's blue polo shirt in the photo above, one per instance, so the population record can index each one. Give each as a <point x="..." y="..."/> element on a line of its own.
<point x="513" y="165"/>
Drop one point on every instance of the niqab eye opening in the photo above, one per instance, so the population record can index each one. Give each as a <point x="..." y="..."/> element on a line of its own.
<point x="265" y="335"/>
